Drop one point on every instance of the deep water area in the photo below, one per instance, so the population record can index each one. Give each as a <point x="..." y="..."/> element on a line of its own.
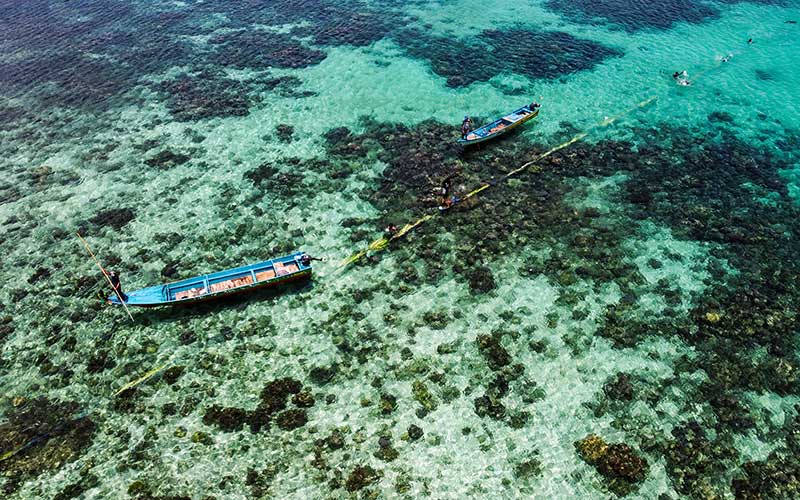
<point x="607" y="310"/>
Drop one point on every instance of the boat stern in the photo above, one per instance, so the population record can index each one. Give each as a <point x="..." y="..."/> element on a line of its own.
<point x="146" y="297"/>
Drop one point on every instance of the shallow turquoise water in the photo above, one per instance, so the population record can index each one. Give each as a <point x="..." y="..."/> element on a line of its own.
<point x="658" y="246"/>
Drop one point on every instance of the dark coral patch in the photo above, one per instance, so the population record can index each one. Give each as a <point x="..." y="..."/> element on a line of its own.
<point x="535" y="54"/>
<point x="634" y="15"/>
<point x="39" y="436"/>
<point x="263" y="50"/>
<point x="205" y="95"/>
<point x="113" y="217"/>
<point x="620" y="464"/>
<point x="227" y="419"/>
<point x="694" y="462"/>
<point x="361" y="477"/>
<point x="291" y="419"/>
<point x="167" y="159"/>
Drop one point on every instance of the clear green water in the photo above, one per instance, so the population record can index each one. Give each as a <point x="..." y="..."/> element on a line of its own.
<point x="64" y="162"/>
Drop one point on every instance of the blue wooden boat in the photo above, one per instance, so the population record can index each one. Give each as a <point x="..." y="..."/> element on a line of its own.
<point x="501" y="125"/>
<point x="229" y="282"/>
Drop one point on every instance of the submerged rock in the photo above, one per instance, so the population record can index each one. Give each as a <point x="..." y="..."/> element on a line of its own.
<point x="167" y="159"/>
<point x="776" y="477"/>
<point x="361" y="477"/>
<point x="227" y="419"/>
<point x="284" y="132"/>
<point x="620" y="464"/>
<point x="292" y="419"/>
<point x="386" y="451"/>
<point x="619" y="388"/>
<point x="303" y="399"/>
<point x="491" y="349"/>
<point x="414" y="432"/>
<point x="694" y="462"/>
<point x="423" y="395"/>
<point x="114" y="217"/>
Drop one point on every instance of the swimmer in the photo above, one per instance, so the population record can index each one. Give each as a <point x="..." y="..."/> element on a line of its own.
<point x="749" y="41"/>
<point x="684" y="83"/>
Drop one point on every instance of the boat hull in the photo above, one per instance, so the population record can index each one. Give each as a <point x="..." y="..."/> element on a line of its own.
<point x="267" y="274"/>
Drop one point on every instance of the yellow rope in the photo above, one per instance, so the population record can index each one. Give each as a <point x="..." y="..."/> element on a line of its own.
<point x="141" y="379"/>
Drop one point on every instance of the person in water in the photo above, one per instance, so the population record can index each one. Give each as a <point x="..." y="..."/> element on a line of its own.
<point x="117" y="285"/>
<point x="534" y="106"/>
<point x="466" y="127"/>
<point x="447" y="183"/>
<point x="390" y="231"/>
<point x="449" y="202"/>
<point x="306" y="259"/>
<point x="681" y="78"/>
<point x="749" y="41"/>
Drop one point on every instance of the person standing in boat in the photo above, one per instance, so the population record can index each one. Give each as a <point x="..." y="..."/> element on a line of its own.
<point x="466" y="127"/>
<point x="117" y="285"/>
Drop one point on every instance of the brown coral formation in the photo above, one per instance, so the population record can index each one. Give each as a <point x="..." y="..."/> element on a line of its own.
<point x="619" y="463"/>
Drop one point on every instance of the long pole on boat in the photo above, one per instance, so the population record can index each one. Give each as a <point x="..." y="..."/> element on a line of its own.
<point x="107" y="278"/>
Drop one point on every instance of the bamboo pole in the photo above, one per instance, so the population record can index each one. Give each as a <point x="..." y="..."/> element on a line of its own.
<point x="107" y="278"/>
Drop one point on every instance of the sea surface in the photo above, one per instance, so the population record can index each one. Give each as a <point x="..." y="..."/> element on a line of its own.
<point x="616" y="319"/>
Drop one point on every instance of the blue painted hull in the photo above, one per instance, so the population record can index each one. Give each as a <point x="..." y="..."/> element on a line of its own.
<point x="500" y="126"/>
<point x="220" y="284"/>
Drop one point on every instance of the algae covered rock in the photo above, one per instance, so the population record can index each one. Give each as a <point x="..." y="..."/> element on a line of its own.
<point x="113" y="217"/>
<point x="321" y="375"/>
<point x="693" y="461"/>
<point x="591" y="448"/>
<point x="491" y="349"/>
<point x="776" y="477"/>
<point x="291" y="419"/>
<point x="227" y="419"/>
<point x="414" y="432"/>
<point x="360" y="477"/>
<point x="423" y="395"/>
<point x="619" y="463"/>
<point x="619" y="388"/>
<point x="303" y="399"/>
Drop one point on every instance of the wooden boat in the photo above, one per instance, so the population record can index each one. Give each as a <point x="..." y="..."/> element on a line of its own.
<point x="229" y="282"/>
<point x="500" y="126"/>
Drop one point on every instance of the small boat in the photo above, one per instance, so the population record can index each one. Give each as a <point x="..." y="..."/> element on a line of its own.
<point x="501" y="125"/>
<point x="229" y="282"/>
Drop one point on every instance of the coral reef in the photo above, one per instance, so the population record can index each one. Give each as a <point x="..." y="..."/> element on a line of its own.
<point x="633" y="16"/>
<point x="41" y="435"/>
<point x="620" y="464"/>
<point x="535" y="54"/>
<point x="360" y="477"/>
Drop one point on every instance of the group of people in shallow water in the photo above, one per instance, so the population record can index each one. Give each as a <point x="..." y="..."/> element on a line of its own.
<point x="682" y="77"/>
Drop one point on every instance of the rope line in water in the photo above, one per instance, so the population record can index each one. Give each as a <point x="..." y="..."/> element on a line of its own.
<point x="382" y="243"/>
